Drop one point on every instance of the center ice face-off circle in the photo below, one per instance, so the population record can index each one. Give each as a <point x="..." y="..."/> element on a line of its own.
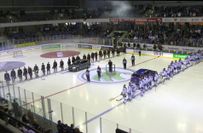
<point x="118" y="76"/>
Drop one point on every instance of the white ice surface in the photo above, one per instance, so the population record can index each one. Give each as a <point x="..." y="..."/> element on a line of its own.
<point x="174" y="107"/>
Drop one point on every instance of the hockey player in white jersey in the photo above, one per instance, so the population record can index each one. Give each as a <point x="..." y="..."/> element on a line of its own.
<point x="135" y="91"/>
<point x="144" y="81"/>
<point x="156" y="80"/>
<point x="141" y="87"/>
<point x="124" y="94"/>
<point x="151" y="82"/>
<point x="169" y="72"/>
<point x="163" y="75"/>
<point x="129" y="92"/>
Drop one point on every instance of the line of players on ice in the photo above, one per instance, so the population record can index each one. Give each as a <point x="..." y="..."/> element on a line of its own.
<point x="46" y="69"/>
<point x="148" y="82"/>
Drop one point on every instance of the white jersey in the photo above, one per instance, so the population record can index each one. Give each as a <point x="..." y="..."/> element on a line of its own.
<point x="168" y="71"/>
<point x="145" y="81"/>
<point x="163" y="73"/>
<point x="141" y="84"/>
<point x="150" y="79"/>
<point x="156" y="77"/>
<point x="129" y="89"/>
<point x="124" y="91"/>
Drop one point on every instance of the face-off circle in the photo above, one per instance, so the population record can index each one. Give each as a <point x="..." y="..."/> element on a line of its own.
<point x="60" y="54"/>
<point x="120" y="75"/>
<point x="9" y="65"/>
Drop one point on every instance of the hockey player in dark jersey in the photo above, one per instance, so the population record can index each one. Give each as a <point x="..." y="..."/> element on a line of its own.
<point x="25" y="73"/>
<point x="13" y="75"/>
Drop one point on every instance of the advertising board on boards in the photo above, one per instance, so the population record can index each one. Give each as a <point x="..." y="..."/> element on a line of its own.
<point x="88" y="46"/>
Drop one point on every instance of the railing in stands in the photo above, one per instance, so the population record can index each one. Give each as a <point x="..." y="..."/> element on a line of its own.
<point x="54" y="110"/>
<point x="5" y="116"/>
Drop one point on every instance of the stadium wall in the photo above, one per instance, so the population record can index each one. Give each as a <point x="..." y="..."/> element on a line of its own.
<point x="64" y="45"/>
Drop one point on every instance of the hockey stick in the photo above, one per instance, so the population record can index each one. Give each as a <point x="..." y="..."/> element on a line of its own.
<point x="111" y="99"/>
<point x="119" y="99"/>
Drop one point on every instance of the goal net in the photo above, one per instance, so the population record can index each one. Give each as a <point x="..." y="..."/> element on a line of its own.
<point x="17" y="53"/>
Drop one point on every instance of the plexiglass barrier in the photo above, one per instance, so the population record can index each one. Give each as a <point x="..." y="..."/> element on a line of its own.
<point x="54" y="110"/>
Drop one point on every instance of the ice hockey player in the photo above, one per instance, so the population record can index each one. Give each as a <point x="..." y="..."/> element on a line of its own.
<point x="13" y="75"/>
<point x="164" y="75"/>
<point x="110" y="63"/>
<point x="88" y="57"/>
<point x="134" y="90"/>
<point x="92" y="56"/>
<point x="69" y="61"/>
<point x="100" y="55"/>
<point x="73" y="59"/>
<point x="99" y="72"/>
<point x="104" y="53"/>
<point x="84" y="57"/>
<point x="168" y="73"/>
<point x="96" y="56"/>
<point x="124" y="63"/>
<point x="48" y="68"/>
<point x="25" y="72"/>
<point x="113" y="52"/>
<point x="43" y="69"/>
<point x="55" y="66"/>
<point x="62" y="65"/>
<point x="129" y="92"/>
<point x="124" y="94"/>
<point x="133" y="60"/>
<point x="77" y="58"/>
<point x="20" y="75"/>
<point x="30" y="72"/>
<point x="140" y="53"/>
<point x="156" y="79"/>
<point x="7" y="78"/>
<point x="87" y="75"/>
<point x="36" y="71"/>
<point x="108" y="53"/>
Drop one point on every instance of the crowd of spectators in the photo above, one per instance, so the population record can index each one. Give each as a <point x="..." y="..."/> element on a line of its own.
<point x="62" y="30"/>
<point x="159" y="33"/>
<point x="174" y="11"/>
<point x="168" y="34"/>
<point x="49" y="14"/>
<point x="23" y="120"/>
<point x="64" y="128"/>
<point x="86" y="13"/>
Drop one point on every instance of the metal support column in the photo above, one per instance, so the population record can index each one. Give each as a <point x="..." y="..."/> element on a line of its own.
<point x="25" y="96"/>
<point x="73" y="115"/>
<point x="86" y="125"/>
<point x="43" y="106"/>
<point x="100" y="124"/>
<point x="33" y="102"/>
<point x="61" y="106"/>
<point x="19" y="95"/>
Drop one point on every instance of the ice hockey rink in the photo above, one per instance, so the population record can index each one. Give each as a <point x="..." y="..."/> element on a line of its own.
<point x="172" y="107"/>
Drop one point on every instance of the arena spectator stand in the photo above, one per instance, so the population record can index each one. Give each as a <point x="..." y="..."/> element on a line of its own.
<point x="17" y="119"/>
<point x="144" y="10"/>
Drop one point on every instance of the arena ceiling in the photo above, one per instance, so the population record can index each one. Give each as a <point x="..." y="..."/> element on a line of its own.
<point x="83" y="3"/>
<point x="38" y="3"/>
